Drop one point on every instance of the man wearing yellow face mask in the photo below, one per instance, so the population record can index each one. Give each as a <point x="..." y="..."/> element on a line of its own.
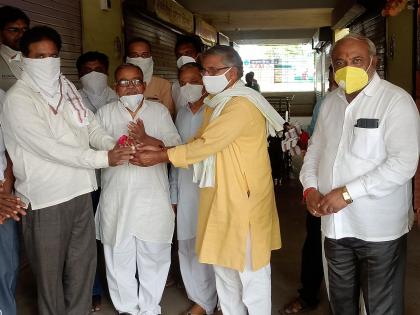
<point x="357" y="177"/>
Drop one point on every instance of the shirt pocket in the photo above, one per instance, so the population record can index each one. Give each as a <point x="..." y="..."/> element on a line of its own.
<point x="368" y="143"/>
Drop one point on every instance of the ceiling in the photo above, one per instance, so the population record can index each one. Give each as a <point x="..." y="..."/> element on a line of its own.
<point x="265" y="21"/>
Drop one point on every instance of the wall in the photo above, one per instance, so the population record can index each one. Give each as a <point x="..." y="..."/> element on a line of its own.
<point x="102" y="31"/>
<point x="64" y="17"/>
<point x="373" y="26"/>
<point x="400" y="67"/>
<point x="161" y="38"/>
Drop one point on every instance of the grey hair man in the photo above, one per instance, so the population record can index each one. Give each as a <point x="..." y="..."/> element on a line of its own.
<point x="358" y="180"/>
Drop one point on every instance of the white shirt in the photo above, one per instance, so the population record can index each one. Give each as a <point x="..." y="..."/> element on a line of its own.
<point x="376" y="164"/>
<point x="52" y="160"/>
<point x="184" y="192"/>
<point x="135" y="200"/>
<point x="13" y="59"/>
<point x="95" y="102"/>
<point x="10" y="66"/>
<point x="179" y="100"/>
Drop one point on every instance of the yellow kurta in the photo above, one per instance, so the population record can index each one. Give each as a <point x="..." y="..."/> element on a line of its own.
<point x="242" y="200"/>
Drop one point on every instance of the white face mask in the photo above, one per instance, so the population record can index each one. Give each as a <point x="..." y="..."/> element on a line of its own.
<point x="45" y="73"/>
<point x="132" y="102"/>
<point x="184" y="60"/>
<point x="216" y="83"/>
<point x="145" y="64"/>
<point x="192" y="92"/>
<point x="94" y="83"/>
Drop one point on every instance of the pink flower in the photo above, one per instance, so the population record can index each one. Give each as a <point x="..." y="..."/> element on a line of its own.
<point x="122" y="141"/>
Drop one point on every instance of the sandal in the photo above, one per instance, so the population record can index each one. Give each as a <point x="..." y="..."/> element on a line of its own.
<point x="196" y="310"/>
<point x="296" y="306"/>
<point x="96" y="303"/>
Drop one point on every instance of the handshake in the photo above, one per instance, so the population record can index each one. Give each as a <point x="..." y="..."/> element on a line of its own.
<point x="137" y="148"/>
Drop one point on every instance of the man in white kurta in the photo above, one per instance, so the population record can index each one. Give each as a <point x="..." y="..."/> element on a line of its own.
<point x="48" y="133"/>
<point x="187" y="49"/>
<point x="92" y="68"/>
<point x="135" y="220"/>
<point x="198" y="278"/>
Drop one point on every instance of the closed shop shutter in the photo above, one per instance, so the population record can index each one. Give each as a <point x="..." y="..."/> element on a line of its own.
<point x="162" y="39"/>
<point x="375" y="29"/>
<point x="65" y="17"/>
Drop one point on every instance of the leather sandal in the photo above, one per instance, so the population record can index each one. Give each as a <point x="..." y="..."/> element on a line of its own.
<point x="296" y="306"/>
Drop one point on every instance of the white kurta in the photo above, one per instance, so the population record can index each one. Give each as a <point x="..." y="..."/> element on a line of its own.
<point x="179" y="100"/>
<point x="52" y="159"/>
<point x="184" y="192"/>
<point x="135" y="200"/>
<point x="96" y="102"/>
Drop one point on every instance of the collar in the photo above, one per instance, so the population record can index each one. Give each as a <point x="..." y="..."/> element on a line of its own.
<point x="10" y="53"/>
<point x="372" y="87"/>
<point x="142" y="108"/>
<point x="199" y="110"/>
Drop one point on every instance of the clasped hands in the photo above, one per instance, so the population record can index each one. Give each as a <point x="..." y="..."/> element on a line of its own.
<point x="140" y="149"/>
<point x="319" y="205"/>
<point x="11" y="207"/>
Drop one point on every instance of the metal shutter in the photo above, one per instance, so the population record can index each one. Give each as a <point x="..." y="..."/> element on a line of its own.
<point x="65" y="17"/>
<point x="375" y="29"/>
<point x="162" y="39"/>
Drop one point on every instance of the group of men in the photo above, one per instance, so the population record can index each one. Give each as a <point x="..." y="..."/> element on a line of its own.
<point x="356" y="176"/>
<point x="56" y="136"/>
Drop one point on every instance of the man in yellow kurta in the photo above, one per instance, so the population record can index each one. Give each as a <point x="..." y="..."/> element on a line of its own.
<point x="238" y="225"/>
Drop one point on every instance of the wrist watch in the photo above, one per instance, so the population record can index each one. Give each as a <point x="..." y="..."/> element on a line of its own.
<point x="346" y="195"/>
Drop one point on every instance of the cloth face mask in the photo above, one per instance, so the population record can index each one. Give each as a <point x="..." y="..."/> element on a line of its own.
<point x="132" y="102"/>
<point x="192" y="92"/>
<point x="45" y="73"/>
<point x="217" y="83"/>
<point x="94" y="82"/>
<point x="184" y="60"/>
<point x="146" y="66"/>
<point x="352" y="79"/>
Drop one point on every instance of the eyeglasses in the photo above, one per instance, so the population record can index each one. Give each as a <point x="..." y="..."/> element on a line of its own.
<point x="17" y="29"/>
<point x="126" y="83"/>
<point x="213" y="71"/>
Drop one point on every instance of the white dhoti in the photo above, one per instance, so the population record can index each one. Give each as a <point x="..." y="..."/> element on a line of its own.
<point x="151" y="261"/>
<point x="198" y="278"/>
<point x="246" y="292"/>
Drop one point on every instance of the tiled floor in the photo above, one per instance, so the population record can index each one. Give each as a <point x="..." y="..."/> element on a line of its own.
<point x="285" y="267"/>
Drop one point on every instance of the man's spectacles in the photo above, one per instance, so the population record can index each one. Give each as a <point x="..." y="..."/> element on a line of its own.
<point x="213" y="71"/>
<point x="126" y="83"/>
<point x="17" y="29"/>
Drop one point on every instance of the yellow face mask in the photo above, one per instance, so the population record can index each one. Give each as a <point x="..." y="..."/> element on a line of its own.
<point x="352" y="79"/>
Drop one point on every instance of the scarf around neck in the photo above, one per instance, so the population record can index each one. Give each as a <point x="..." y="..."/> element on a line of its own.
<point x="204" y="171"/>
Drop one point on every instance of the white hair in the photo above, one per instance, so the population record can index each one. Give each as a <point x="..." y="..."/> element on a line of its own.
<point x="369" y="43"/>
